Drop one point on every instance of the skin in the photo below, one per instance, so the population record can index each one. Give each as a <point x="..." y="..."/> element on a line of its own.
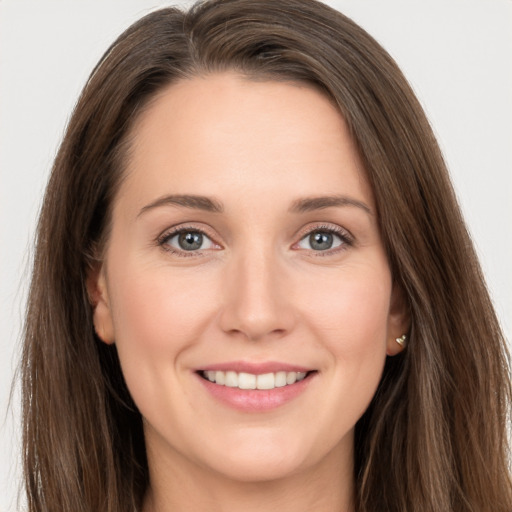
<point x="256" y="291"/>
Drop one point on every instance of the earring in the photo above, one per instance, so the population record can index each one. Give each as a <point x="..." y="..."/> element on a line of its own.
<point x="401" y="341"/>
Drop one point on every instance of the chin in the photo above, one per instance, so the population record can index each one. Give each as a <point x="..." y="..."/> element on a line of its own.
<point x="260" y="469"/>
<point x="265" y="458"/>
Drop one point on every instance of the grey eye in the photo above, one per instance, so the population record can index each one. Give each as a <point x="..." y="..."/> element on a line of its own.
<point x="189" y="241"/>
<point x="320" y="241"/>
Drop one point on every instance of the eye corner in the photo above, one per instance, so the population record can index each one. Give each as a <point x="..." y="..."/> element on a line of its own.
<point x="194" y="237"/>
<point x="333" y="236"/>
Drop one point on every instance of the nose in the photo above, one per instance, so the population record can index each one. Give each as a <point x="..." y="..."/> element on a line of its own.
<point x="257" y="302"/>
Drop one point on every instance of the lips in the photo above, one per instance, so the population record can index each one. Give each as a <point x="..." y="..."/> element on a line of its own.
<point x="255" y="387"/>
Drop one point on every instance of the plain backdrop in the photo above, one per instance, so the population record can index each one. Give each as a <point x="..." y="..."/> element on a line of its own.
<point x="457" y="55"/>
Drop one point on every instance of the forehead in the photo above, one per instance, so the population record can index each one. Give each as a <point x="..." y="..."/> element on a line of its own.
<point x="225" y="133"/>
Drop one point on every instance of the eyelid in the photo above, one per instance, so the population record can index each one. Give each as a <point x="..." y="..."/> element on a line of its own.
<point x="180" y="228"/>
<point x="346" y="237"/>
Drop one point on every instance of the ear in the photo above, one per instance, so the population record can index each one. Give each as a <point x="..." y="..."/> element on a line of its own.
<point x="399" y="321"/>
<point x="98" y="297"/>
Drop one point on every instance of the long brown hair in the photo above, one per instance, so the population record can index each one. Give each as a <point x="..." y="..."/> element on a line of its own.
<point x="434" y="437"/>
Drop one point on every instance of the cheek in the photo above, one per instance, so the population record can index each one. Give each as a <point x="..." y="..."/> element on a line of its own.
<point x="351" y="309"/>
<point x="156" y="318"/>
<point x="153" y="300"/>
<point x="350" y="319"/>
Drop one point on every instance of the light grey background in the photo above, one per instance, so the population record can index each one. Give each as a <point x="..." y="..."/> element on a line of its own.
<point x="456" y="53"/>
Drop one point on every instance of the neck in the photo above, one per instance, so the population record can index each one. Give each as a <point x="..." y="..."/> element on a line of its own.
<point x="323" y="487"/>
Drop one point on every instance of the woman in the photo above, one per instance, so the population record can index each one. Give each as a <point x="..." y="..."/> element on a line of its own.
<point x="253" y="285"/>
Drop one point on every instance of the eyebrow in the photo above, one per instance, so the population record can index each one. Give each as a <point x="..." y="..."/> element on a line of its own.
<point x="309" y="204"/>
<point x="303" y="205"/>
<point x="185" y="201"/>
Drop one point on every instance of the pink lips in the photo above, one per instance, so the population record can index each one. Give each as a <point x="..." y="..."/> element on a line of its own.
<point x="255" y="400"/>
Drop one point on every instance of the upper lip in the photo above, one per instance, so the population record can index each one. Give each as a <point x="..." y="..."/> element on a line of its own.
<point x="255" y="368"/>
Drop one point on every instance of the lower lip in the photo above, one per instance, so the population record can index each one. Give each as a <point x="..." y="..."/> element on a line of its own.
<point x="256" y="400"/>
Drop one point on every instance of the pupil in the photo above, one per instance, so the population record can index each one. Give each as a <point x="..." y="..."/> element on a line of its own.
<point x="320" y="241"/>
<point x="190" y="241"/>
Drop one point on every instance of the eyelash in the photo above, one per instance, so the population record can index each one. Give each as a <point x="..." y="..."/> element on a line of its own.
<point x="168" y="235"/>
<point x="346" y="238"/>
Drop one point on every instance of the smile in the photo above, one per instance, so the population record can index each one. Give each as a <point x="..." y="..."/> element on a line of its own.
<point x="255" y="387"/>
<point x="243" y="380"/>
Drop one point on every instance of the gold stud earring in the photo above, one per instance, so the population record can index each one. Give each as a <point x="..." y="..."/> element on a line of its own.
<point x="401" y="340"/>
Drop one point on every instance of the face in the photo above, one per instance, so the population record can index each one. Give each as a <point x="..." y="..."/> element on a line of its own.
<point x="245" y="253"/>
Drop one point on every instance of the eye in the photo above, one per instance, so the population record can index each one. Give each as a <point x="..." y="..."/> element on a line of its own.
<point x="323" y="240"/>
<point x="187" y="240"/>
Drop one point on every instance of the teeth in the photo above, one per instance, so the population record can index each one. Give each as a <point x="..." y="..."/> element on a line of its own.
<point x="231" y="379"/>
<point x="291" y="377"/>
<point x="280" y="379"/>
<point x="250" y="381"/>
<point x="246" y="381"/>
<point x="265" y="381"/>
